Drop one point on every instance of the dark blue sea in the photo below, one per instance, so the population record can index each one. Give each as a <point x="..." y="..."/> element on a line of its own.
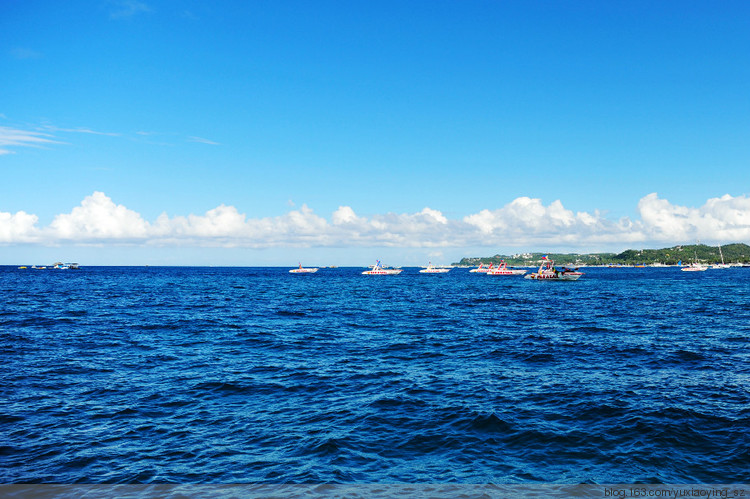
<point x="256" y="375"/>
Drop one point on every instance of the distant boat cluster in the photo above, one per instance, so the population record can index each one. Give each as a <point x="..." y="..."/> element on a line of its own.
<point x="501" y="269"/>
<point x="547" y="271"/>
<point x="699" y="267"/>
<point x="55" y="266"/>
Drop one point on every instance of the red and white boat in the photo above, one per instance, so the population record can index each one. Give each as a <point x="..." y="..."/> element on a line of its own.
<point x="482" y="269"/>
<point x="503" y="269"/>
<point x="303" y="270"/>
<point x="548" y="272"/>
<point x="378" y="269"/>
<point x="431" y="269"/>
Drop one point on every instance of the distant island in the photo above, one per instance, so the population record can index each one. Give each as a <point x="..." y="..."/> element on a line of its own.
<point x="737" y="253"/>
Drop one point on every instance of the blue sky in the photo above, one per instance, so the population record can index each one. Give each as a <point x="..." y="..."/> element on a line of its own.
<point x="243" y="133"/>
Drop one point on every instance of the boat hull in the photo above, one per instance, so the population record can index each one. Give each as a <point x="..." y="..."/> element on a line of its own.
<point x="382" y="272"/>
<point x="508" y="272"/>
<point x="568" y="276"/>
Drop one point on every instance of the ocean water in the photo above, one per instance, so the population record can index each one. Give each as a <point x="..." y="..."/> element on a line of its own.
<point x="255" y="375"/>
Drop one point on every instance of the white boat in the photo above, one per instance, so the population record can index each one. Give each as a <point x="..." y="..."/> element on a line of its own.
<point x="503" y="269"/>
<point x="303" y="270"/>
<point x="378" y="269"/>
<point x="721" y="265"/>
<point x="548" y="272"/>
<point x="431" y="269"/>
<point x="694" y="267"/>
<point x="482" y="269"/>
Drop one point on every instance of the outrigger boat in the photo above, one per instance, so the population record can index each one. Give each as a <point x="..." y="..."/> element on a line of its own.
<point x="548" y="272"/>
<point x="482" y="269"/>
<point x="431" y="269"/>
<point x="503" y="269"/>
<point x="378" y="269"/>
<point x="303" y="270"/>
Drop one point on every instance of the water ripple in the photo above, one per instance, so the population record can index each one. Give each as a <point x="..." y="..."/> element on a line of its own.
<point x="151" y="375"/>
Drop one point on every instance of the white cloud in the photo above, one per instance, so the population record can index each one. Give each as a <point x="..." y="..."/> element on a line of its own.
<point x="345" y="215"/>
<point x="25" y="53"/>
<point x="18" y="228"/>
<point x="13" y="137"/>
<point x="527" y="221"/>
<point x="89" y="131"/>
<point x="721" y="219"/>
<point x="123" y="9"/>
<point x="524" y="222"/>
<point x="99" y="219"/>
<point x="47" y="134"/>
<point x="201" y="140"/>
<point x="427" y="228"/>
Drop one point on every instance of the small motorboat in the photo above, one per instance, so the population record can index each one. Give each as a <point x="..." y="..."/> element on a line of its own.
<point x="694" y="267"/>
<point x="503" y="269"/>
<point x="378" y="269"/>
<point x="548" y="272"/>
<point x="482" y="269"/>
<point x="431" y="269"/>
<point x="303" y="270"/>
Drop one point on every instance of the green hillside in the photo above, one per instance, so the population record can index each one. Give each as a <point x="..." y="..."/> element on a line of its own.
<point x="733" y="253"/>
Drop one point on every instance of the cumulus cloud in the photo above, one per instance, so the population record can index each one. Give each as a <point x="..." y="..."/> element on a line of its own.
<point x="98" y="218"/>
<point x="723" y="219"/>
<point x="18" y="228"/>
<point x="345" y="216"/>
<point x="522" y="222"/>
<point x="426" y="228"/>
<point x="528" y="221"/>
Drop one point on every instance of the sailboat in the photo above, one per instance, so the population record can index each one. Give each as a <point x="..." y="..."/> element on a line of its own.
<point x="721" y="265"/>
<point x="693" y="267"/>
